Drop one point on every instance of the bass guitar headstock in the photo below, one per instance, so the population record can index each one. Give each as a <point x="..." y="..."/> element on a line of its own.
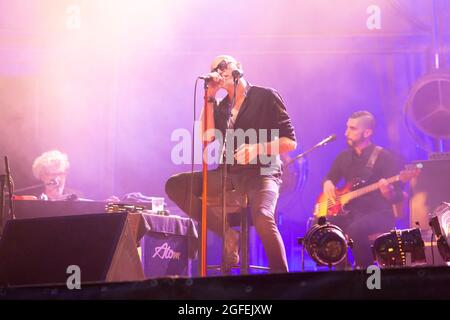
<point x="411" y="171"/>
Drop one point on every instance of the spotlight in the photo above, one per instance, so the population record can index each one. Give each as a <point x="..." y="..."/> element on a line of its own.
<point x="440" y="224"/>
<point x="399" y="248"/>
<point x="326" y="243"/>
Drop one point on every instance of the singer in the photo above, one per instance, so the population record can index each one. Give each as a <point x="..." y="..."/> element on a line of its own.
<point x="364" y="163"/>
<point x="255" y="108"/>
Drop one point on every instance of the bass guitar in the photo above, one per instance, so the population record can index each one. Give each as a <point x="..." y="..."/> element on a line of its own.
<point x="328" y="207"/>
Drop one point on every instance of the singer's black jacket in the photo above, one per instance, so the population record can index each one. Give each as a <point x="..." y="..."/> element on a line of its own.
<point x="262" y="116"/>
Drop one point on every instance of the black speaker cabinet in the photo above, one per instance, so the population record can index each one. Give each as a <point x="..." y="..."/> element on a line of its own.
<point x="429" y="189"/>
<point x="39" y="251"/>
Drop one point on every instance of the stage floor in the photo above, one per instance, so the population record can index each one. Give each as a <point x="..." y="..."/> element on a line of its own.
<point x="401" y="283"/>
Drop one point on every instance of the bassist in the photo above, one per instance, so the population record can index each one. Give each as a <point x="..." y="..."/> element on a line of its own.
<point x="361" y="164"/>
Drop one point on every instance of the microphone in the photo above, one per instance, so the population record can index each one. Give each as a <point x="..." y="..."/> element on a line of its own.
<point x="52" y="182"/>
<point x="211" y="77"/>
<point x="237" y="74"/>
<point x="326" y="140"/>
<point x="206" y="77"/>
<point x="320" y="144"/>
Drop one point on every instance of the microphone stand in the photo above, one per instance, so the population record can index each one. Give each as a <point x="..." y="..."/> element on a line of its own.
<point x="225" y="174"/>
<point x="32" y="187"/>
<point x="10" y="189"/>
<point x="301" y="155"/>
<point x="203" y="233"/>
<point x="2" y="202"/>
<point x="5" y="180"/>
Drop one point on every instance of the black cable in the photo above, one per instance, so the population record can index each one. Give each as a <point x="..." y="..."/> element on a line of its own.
<point x="10" y="186"/>
<point x="431" y="244"/>
<point x="193" y="148"/>
<point x="2" y="202"/>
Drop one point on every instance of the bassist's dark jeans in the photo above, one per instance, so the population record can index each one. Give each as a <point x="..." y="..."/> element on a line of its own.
<point x="362" y="228"/>
<point x="262" y="192"/>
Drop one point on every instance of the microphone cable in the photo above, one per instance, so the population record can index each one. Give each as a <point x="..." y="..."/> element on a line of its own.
<point x="10" y="186"/>
<point x="193" y="148"/>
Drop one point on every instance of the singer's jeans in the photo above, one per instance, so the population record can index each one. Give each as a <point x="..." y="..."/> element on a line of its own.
<point x="262" y="193"/>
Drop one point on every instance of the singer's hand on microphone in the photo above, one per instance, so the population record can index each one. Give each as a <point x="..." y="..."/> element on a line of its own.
<point x="215" y="80"/>
<point x="215" y="77"/>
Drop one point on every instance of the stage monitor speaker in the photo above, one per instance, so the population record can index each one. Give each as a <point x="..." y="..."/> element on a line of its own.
<point x="429" y="189"/>
<point x="39" y="251"/>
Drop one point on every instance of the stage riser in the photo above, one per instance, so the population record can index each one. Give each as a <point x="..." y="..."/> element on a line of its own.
<point x="407" y="283"/>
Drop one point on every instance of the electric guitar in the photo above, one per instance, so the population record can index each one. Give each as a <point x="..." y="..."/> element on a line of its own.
<point x="327" y="207"/>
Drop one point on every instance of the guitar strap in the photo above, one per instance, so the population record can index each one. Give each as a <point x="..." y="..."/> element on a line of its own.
<point x="373" y="157"/>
